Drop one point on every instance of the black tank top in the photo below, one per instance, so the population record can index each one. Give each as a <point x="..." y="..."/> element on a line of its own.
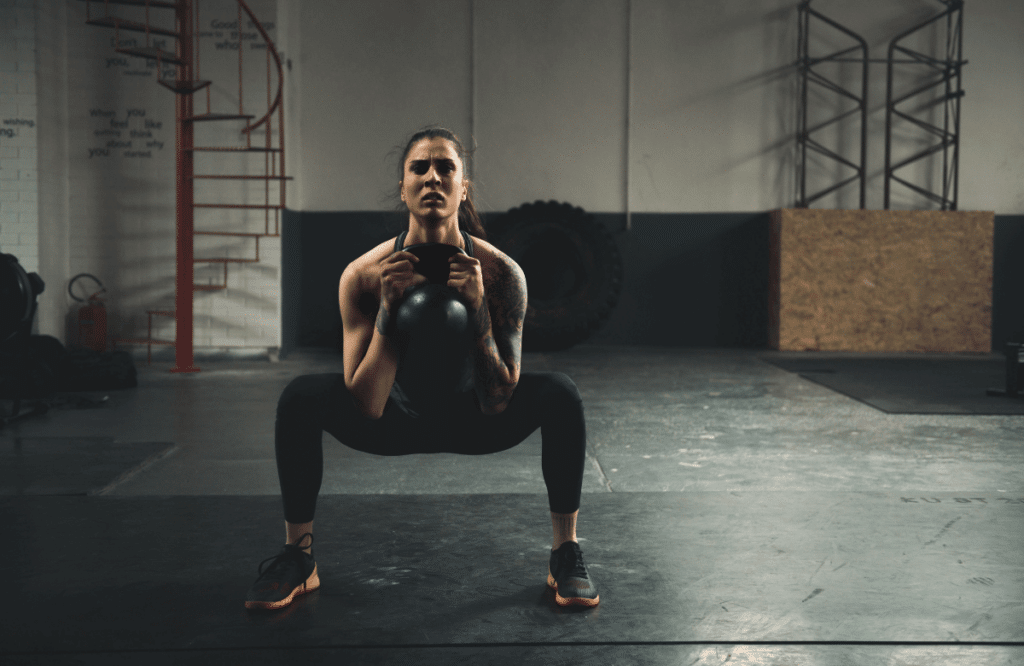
<point x="419" y="398"/>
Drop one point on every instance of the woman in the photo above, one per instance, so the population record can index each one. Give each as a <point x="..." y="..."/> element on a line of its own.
<point x="385" y="404"/>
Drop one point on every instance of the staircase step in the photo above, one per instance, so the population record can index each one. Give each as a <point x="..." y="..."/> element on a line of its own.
<point x="134" y="26"/>
<point x="218" y="149"/>
<point x="183" y="87"/>
<point x="208" y="287"/>
<point x="142" y="341"/>
<point x="225" y="260"/>
<point x="246" y="206"/>
<point x="232" y="233"/>
<point x="219" y="116"/>
<point x="153" y="54"/>
<point x="136" y="3"/>
<point x="249" y="177"/>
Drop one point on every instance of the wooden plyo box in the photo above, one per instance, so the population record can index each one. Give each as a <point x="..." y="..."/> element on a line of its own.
<point x="880" y="280"/>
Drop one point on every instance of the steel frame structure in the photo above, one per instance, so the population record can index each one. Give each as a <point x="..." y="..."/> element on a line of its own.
<point x="949" y="70"/>
<point x="809" y="76"/>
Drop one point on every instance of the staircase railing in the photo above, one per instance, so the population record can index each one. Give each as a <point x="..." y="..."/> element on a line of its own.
<point x="187" y="81"/>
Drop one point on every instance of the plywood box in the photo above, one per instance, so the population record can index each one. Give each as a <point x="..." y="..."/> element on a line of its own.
<point x="879" y="280"/>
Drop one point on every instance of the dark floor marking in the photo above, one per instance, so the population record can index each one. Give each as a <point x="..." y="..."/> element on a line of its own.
<point x="813" y="594"/>
<point x="943" y="530"/>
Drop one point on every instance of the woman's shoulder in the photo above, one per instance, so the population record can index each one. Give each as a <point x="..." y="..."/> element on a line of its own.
<point x="367" y="266"/>
<point x="497" y="266"/>
<point x="491" y="256"/>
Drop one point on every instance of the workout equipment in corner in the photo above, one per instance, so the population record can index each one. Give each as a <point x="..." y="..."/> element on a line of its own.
<point x="33" y="368"/>
<point x="1014" y="372"/>
<point x="27" y="371"/>
<point x="18" y="293"/>
<point x="573" y="271"/>
<point x="433" y="330"/>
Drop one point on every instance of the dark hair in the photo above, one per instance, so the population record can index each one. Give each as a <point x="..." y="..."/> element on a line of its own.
<point x="469" y="219"/>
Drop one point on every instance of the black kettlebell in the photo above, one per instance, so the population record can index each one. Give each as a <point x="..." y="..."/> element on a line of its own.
<point x="433" y="329"/>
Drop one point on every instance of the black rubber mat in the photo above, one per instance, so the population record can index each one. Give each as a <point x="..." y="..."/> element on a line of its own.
<point x="402" y="575"/>
<point x="909" y="384"/>
<point x="71" y="465"/>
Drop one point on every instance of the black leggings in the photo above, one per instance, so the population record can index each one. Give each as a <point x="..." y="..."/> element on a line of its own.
<point x="312" y="404"/>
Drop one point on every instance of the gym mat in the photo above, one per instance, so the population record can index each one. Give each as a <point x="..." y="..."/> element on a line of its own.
<point x="909" y="385"/>
<point x="72" y="465"/>
<point x="141" y="576"/>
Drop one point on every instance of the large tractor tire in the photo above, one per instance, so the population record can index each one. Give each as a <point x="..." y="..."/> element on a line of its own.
<point x="573" y="271"/>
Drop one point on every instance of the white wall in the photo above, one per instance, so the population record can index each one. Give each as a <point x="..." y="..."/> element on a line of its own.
<point x="992" y="161"/>
<point x="713" y="105"/>
<point x="551" y="83"/>
<point x="542" y="87"/>
<point x="373" y="72"/>
<point x="53" y="165"/>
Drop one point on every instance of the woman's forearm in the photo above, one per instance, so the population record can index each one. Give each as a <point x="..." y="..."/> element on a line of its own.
<point x="494" y="380"/>
<point x="373" y="379"/>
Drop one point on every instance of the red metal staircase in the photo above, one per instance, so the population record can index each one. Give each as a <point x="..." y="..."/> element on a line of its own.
<point x="187" y="81"/>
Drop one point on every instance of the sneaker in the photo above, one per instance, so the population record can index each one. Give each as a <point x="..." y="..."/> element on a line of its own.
<point x="568" y="577"/>
<point x="291" y="573"/>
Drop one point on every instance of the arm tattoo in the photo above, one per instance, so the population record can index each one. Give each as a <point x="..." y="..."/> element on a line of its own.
<point x="482" y="320"/>
<point x="383" y="319"/>
<point x="499" y="345"/>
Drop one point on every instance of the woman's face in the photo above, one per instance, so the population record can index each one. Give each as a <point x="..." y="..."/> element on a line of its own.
<point x="433" y="182"/>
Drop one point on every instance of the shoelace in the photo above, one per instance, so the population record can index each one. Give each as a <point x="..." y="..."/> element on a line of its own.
<point x="573" y="558"/>
<point x="280" y="560"/>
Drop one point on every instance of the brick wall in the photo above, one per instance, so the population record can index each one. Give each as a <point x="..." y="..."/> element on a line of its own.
<point x="19" y="212"/>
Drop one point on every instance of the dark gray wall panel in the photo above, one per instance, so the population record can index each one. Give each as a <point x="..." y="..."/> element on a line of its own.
<point x="691" y="279"/>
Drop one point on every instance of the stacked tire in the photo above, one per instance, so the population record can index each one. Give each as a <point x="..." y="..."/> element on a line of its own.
<point x="573" y="271"/>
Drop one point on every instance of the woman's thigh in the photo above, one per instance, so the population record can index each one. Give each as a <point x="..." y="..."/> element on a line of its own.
<point x="541" y="398"/>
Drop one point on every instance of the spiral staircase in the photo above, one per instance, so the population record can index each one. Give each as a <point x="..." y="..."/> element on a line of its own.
<point x="186" y="82"/>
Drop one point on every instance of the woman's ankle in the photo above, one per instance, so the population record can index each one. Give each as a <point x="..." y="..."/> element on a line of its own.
<point x="295" y="534"/>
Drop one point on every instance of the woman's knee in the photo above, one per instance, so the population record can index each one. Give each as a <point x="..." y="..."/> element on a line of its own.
<point x="552" y="394"/>
<point x="560" y="389"/>
<point x="308" y="391"/>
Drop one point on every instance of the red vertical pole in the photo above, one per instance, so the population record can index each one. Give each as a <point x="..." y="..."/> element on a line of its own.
<point x="184" y="280"/>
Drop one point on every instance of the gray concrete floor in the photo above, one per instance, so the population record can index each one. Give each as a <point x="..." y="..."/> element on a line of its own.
<point x="659" y="420"/>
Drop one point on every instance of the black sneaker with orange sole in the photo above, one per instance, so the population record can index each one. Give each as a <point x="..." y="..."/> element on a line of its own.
<point x="290" y="574"/>
<point x="568" y="577"/>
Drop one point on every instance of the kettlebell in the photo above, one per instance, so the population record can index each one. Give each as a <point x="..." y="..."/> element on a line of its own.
<point x="433" y="330"/>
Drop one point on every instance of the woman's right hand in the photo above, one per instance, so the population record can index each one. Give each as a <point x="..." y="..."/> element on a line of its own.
<point x="396" y="276"/>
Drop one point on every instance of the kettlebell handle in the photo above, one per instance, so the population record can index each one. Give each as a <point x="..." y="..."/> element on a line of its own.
<point x="433" y="259"/>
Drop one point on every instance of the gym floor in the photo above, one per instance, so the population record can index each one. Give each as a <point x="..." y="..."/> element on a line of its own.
<point x="733" y="512"/>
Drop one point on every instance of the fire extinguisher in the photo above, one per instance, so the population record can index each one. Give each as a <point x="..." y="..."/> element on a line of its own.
<point x="92" y="318"/>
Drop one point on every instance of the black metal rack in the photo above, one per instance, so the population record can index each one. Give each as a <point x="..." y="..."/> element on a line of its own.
<point x="809" y="76"/>
<point x="948" y="69"/>
<point x="949" y="75"/>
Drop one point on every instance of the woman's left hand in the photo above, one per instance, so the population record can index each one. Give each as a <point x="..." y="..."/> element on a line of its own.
<point x="467" y="278"/>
